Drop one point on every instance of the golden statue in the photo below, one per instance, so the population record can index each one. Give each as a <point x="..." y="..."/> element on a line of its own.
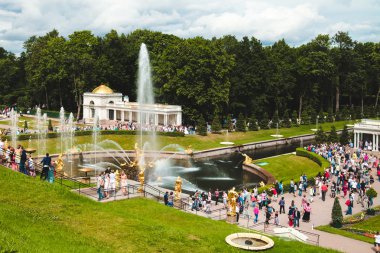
<point x="248" y="160"/>
<point x="188" y="150"/>
<point x="262" y="184"/>
<point x="232" y="197"/>
<point x="178" y="188"/>
<point x="59" y="163"/>
<point x="6" y="144"/>
<point x="117" y="178"/>
<point x="141" y="180"/>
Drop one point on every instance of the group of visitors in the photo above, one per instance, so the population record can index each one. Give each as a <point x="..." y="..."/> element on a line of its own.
<point x="109" y="181"/>
<point x="16" y="159"/>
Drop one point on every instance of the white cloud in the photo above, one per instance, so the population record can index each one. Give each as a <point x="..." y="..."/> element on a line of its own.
<point x="295" y="20"/>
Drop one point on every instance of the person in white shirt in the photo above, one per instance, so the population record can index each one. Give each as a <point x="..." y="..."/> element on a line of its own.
<point x="377" y="242"/>
<point x="112" y="182"/>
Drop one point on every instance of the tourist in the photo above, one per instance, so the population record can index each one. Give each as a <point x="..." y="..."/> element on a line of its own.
<point x="112" y="183"/>
<point x="216" y="196"/>
<point x="124" y="183"/>
<point x="276" y="219"/>
<point x="256" y="213"/>
<point x="282" y="205"/>
<point x="171" y="199"/>
<point x="306" y="214"/>
<point x="377" y="242"/>
<point x="106" y="185"/>
<point x="267" y="216"/>
<point x="297" y="217"/>
<point x="225" y="199"/>
<point x="23" y="158"/>
<point x="99" y="186"/>
<point x="237" y="212"/>
<point x="208" y="207"/>
<point x="166" y="198"/>
<point x="31" y="168"/>
<point x="324" y="191"/>
<point x="51" y="174"/>
<point x="291" y="189"/>
<point x="46" y="161"/>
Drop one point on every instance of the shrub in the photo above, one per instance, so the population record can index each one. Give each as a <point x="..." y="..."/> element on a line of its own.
<point x="305" y="118"/>
<point x="216" y="127"/>
<point x="201" y="126"/>
<point x="240" y="124"/>
<point x="264" y="123"/>
<point x="294" y="119"/>
<point x="336" y="214"/>
<point x="320" y="135"/>
<point x="253" y="124"/>
<point x="330" y="115"/>
<point x="371" y="193"/>
<point x="371" y="211"/>
<point x="314" y="157"/>
<point x="50" y="127"/>
<point x="25" y="125"/>
<point x="286" y="120"/>
<point x="333" y="136"/>
<point x="344" y="137"/>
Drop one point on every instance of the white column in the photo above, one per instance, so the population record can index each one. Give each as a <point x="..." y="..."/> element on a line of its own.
<point x="114" y="114"/>
<point x="130" y="116"/>
<point x="376" y="142"/>
<point x="165" y="119"/>
<point x="156" y="119"/>
<point x="355" y="140"/>
<point x="122" y="115"/>
<point x="179" y="119"/>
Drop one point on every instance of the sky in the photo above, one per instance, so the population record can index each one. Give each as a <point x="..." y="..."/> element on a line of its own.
<point x="297" y="21"/>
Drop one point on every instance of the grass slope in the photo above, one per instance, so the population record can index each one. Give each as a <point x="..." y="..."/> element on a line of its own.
<point x="196" y="141"/>
<point x="286" y="167"/>
<point x="39" y="217"/>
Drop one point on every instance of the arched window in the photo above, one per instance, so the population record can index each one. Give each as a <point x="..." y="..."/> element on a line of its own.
<point x="92" y="103"/>
<point x="111" y="102"/>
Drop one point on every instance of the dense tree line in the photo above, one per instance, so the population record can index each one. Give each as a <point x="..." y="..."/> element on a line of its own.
<point x="327" y="77"/>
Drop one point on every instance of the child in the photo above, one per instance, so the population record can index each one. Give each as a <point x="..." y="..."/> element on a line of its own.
<point x="276" y="219"/>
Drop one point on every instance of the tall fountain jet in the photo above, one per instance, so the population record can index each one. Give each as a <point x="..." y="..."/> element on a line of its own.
<point x="145" y="93"/>
<point x="14" y="128"/>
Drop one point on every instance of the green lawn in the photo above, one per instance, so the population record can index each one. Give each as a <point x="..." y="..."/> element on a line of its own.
<point x="332" y="230"/>
<point x="286" y="167"/>
<point x="196" y="141"/>
<point x="37" y="216"/>
<point x="371" y="225"/>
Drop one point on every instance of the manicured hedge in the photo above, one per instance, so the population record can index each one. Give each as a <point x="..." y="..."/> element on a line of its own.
<point x="322" y="162"/>
<point x="23" y="137"/>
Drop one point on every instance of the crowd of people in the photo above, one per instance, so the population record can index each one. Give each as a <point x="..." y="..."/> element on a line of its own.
<point x="348" y="177"/>
<point x="108" y="182"/>
<point x="16" y="159"/>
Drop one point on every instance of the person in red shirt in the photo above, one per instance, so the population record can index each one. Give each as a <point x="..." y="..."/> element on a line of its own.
<point x="324" y="190"/>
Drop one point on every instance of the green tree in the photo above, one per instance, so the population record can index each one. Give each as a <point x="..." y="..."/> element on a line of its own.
<point x="330" y="115"/>
<point x="264" y="123"/>
<point x="344" y="137"/>
<point x="216" y="127"/>
<point x="240" y="124"/>
<point x="320" y="135"/>
<point x="253" y="126"/>
<point x="333" y="136"/>
<point x="336" y="214"/>
<point x="229" y="123"/>
<point x="276" y="119"/>
<point x="50" y="125"/>
<point x="201" y="126"/>
<point x="286" y="120"/>
<point x="305" y="118"/>
<point x="295" y="119"/>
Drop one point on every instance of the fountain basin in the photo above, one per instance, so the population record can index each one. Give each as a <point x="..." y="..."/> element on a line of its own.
<point x="250" y="241"/>
<point x="227" y="143"/>
<point x="277" y="135"/>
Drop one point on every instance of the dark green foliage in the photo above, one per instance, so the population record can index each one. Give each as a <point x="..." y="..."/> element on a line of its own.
<point x="294" y="119"/>
<point x="321" y="117"/>
<point x="50" y="126"/>
<point x="276" y="120"/>
<point x="336" y="214"/>
<point x="264" y="123"/>
<point x="253" y="126"/>
<point x="229" y="124"/>
<point x="25" y="125"/>
<point x="370" y="211"/>
<point x="330" y="115"/>
<point x="333" y="136"/>
<point x="201" y="126"/>
<point x="313" y="116"/>
<point x="305" y="118"/>
<point x="216" y="127"/>
<point x="240" y="124"/>
<point x="320" y="135"/>
<point x="286" y="120"/>
<point x="344" y="137"/>
<point x="371" y="193"/>
<point x="313" y="156"/>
